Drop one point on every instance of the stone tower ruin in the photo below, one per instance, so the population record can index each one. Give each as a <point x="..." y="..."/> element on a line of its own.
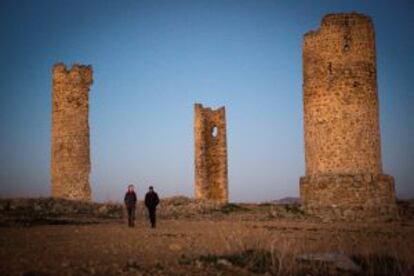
<point x="70" y="160"/>
<point x="344" y="177"/>
<point x="210" y="154"/>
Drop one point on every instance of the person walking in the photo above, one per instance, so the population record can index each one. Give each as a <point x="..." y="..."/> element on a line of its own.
<point x="151" y="202"/>
<point x="130" y="201"/>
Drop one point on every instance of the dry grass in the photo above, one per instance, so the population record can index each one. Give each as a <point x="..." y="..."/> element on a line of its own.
<point x="276" y="248"/>
<point x="208" y="240"/>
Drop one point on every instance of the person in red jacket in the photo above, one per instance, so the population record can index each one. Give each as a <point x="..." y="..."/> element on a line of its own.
<point x="130" y="201"/>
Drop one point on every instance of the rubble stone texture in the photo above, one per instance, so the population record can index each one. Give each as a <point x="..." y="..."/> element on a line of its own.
<point x="210" y="154"/>
<point x="70" y="160"/>
<point x="344" y="177"/>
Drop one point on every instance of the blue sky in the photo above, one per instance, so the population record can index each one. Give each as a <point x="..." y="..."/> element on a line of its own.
<point x="153" y="60"/>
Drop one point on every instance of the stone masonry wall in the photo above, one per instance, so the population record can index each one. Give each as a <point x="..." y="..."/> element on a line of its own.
<point x="341" y="118"/>
<point x="349" y="196"/>
<point x="70" y="160"/>
<point x="210" y="154"/>
<point x="340" y="97"/>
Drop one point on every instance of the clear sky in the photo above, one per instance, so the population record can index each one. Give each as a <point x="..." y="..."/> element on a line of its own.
<point x="153" y="60"/>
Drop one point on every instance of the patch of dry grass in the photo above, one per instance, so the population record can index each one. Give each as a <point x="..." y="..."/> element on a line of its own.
<point x="375" y="249"/>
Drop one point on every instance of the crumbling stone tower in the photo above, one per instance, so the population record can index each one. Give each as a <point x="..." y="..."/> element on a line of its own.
<point x="344" y="177"/>
<point x="210" y="154"/>
<point x="70" y="162"/>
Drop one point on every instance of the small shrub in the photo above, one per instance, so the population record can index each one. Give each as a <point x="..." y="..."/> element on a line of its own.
<point x="232" y="207"/>
<point x="379" y="264"/>
<point x="294" y="208"/>
<point x="255" y="261"/>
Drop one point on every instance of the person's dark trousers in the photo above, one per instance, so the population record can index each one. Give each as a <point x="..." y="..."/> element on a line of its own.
<point x="131" y="216"/>
<point x="152" y="216"/>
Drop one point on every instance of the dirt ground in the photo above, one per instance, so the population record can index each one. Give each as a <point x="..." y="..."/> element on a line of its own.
<point x="175" y="246"/>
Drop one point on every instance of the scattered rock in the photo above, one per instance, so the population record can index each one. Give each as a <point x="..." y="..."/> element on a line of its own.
<point x="37" y="207"/>
<point x="175" y="247"/>
<point x="339" y="261"/>
<point x="35" y="211"/>
<point x="103" y="209"/>
<point x="224" y="262"/>
<point x="57" y="208"/>
<point x="65" y="264"/>
<point x="198" y="263"/>
<point x="32" y="211"/>
<point x="132" y="266"/>
<point x="92" y="270"/>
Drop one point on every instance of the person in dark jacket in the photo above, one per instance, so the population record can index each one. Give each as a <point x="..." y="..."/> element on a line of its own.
<point x="151" y="202"/>
<point x="130" y="201"/>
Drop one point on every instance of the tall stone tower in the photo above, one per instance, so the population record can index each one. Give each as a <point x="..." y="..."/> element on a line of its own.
<point x="344" y="177"/>
<point x="70" y="162"/>
<point x="210" y="154"/>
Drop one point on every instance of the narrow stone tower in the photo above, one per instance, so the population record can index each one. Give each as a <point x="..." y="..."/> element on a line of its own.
<point x="344" y="177"/>
<point x="210" y="154"/>
<point x="70" y="160"/>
